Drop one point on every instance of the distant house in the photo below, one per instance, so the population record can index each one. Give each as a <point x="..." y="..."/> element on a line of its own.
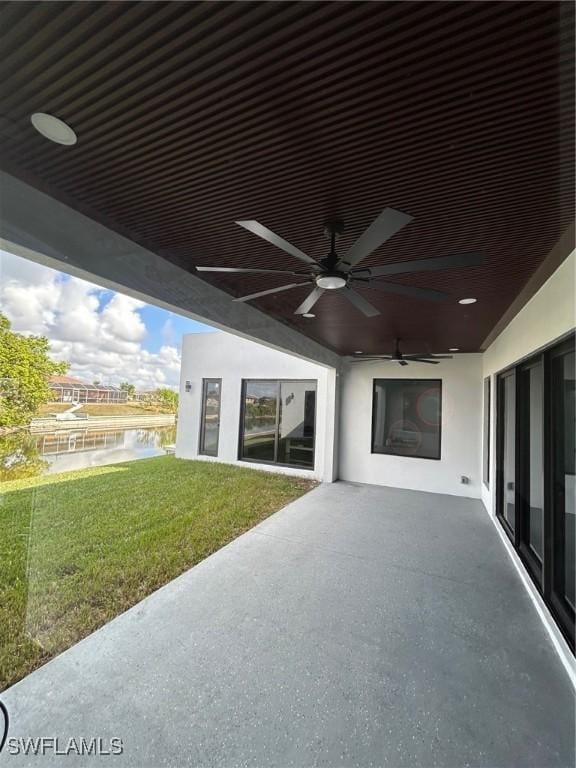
<point x="67" y="389"/>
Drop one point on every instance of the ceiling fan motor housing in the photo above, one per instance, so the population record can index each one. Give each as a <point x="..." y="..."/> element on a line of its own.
<point x="334" y="228"/>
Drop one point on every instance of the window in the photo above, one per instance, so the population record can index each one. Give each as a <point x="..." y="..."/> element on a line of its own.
<point x="486" y="434"/>
<point x="563" y="485"/>
<point x="507" y="450"/>
<point x="406" y="417"/>
<point x="536" y="470"/>
<point x="210" y="419"/>
<point x="531" y="463"/>
<point x="277" y="422"/>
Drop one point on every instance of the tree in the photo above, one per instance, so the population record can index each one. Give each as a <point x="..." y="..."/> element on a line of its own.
<point x="20" y="457"/>
<point x="25" y="369"/>
<point x="129" y="388"/>
<point x="96" y="382"/>
<point x="167" y="398"/>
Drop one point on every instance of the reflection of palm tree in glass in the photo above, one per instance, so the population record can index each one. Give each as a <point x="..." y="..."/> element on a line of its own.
<point x="260" y="420"/>
<point x="261" y="416"/>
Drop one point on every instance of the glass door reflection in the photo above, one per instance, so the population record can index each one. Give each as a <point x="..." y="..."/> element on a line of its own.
<point x="531" y="465"/>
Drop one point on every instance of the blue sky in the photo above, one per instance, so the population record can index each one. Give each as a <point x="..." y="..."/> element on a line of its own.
<point x="103" y="334"/>
<point x="167" y="328"/>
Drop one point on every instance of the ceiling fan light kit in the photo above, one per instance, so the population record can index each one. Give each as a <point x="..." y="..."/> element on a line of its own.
<point x="331" y="281"/>
<point x="342" y="274"/>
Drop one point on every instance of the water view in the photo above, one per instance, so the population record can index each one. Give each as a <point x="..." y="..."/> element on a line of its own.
<point x="23" y="454"/>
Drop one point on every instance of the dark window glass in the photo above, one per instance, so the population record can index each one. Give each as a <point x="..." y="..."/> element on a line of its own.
<point x="296" y="429"/>
<point x="508" y="410"/>
<point x="260" y="417"/>
<point x="406" y="417"/>
<point x="210" y="422"/>
<point x="486" y="434"/>
<point x="564" y="485"/>
<point x="278" y="422"/>
<point x="532" y="389"/>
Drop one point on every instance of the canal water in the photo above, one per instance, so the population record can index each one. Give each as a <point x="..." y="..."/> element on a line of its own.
<point x="25" y="455"/>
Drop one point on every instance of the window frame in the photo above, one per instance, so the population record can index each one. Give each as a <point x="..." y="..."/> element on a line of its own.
<point x="202" y="435"/>
<point x="500" y="417"/>
<point x="275" y="462"/>
<point x="375" y="452"/>
<point x="524" y="432"/>
<point x="487" y="431"/>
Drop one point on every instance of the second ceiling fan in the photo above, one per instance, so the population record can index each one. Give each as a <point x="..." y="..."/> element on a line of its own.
<point x="342" y="273"/>
<point x="401" y="359"/>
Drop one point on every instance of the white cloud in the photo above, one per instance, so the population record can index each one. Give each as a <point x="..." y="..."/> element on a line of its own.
<point x="167" y="331"/>
<point x="100" y="333"/>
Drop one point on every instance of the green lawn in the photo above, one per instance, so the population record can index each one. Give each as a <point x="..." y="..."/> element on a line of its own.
<point x="78" y="548"/>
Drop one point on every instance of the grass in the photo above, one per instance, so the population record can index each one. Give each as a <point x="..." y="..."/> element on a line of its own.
<point x="105" y="409"/>
<point x="79" y="548"/>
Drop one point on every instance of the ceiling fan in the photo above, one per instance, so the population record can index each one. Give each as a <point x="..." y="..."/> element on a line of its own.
<point x="336" y="273"/>
<point x="398" y="357"/>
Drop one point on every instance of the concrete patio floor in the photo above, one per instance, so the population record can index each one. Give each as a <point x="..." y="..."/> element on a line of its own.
<point x="359" y="626"/>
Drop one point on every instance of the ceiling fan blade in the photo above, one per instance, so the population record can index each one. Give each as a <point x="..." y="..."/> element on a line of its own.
<point x="425" y="355"/>
<point x="422" y="360"/>
<point x="251" y="271"/>
<point x="266" y="234"/>
<point x="382" y="228"/>
<point x="371" y="360"/>
<point x="309" y="301"/>
<point x="269" y="291"/>
<point x="408" y="290"/>
<point x="360" y="302"/>
<point x="425" y="265"/>
<point x="359" y="359"/>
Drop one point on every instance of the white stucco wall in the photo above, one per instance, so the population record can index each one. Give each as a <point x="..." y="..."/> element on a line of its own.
<point x="550" y="314"/>
<point x="461" y="428"/>
<point x="230" y="358"/>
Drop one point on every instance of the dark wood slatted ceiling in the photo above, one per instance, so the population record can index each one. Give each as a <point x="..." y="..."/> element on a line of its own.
<point x="191" y="116"/>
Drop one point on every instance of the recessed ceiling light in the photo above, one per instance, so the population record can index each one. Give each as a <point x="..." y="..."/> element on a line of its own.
<point x="467" y="301"/>
<point x="308" y="314"/>
<point x="53" y="128"/>
<point x="358" y="352"/>
<point x="454" y="349"/>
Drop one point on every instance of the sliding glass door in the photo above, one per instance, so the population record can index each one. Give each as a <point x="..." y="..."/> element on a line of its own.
<point x="563" y="491"/>
<point x="296" y="423"/>
<point x="531" y="465"/>
<point x="260" y="416"/>
<point x="536" y="469"/>
<point x="278" y="422"/>
<point x="507" y="444"/>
